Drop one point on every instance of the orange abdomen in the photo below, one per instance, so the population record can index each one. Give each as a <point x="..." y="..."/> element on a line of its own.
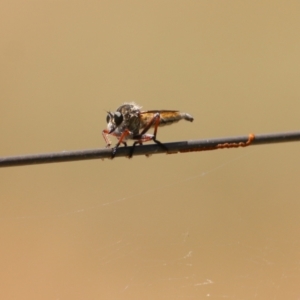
<point x="167" y="117"/>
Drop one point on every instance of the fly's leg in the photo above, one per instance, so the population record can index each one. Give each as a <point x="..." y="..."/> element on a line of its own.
<point x="105" y="136"/>
<point x="143" y="137"/>
<point x="133" y="147"/>
<point x="114" y="150"/>
<point x="155" y="132"/>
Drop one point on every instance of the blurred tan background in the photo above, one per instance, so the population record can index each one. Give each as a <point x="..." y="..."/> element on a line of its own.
<point x="207" y="225"/>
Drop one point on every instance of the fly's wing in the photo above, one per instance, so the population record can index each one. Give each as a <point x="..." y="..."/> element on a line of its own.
<point x="167" y="117"/>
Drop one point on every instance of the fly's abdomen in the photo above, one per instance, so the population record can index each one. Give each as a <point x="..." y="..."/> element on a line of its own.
<point x="169" y="117"/>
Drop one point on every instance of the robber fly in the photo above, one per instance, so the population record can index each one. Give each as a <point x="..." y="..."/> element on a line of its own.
<point x="130" y="122"/>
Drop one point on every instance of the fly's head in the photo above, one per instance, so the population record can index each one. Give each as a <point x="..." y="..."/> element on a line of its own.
<point x="114" y="120"/>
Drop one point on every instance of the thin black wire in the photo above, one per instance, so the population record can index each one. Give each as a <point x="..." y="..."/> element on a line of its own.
<point x="183" y="146"/>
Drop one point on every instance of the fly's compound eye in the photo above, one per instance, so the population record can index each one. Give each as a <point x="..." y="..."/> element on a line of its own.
<point x="118" y="118"/>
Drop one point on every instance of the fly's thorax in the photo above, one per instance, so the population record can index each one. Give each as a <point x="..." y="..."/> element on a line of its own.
<point x="129" y="109"/>
<point x="133" y="124"/>
<point x="131" y="117"/>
